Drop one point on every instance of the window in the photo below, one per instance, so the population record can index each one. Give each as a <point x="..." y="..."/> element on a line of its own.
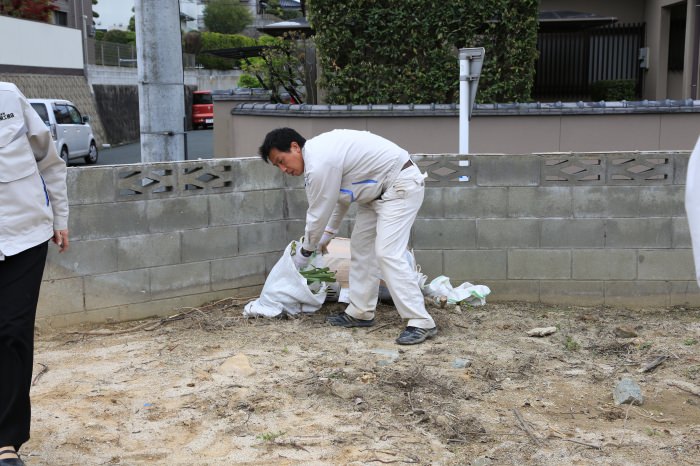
<point x="60" y="18"/>
<point x="676" y="38"/>
<point x="75" y="117"/>
<point x="62" y="115"/>
<point x="41" y="110"/>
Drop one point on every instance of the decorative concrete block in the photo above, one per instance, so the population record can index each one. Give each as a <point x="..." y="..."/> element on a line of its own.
<point x="638" y="233"/>
<point x="143" y="251"/>
<point x="528" y="264"/>
<point x="507" y="233"/>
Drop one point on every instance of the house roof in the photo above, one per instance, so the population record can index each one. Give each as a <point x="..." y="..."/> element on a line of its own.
<point x="291" y="25"/>
<point x="571" y="20"/>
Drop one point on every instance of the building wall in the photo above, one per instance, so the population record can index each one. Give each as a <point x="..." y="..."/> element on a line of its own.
<point x="626" y="11"/>
<point x="584" y="229"/>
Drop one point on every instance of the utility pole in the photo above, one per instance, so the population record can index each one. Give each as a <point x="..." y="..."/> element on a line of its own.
<point x="160" y="80"/>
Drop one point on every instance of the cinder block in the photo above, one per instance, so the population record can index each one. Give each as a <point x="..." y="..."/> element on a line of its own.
<point x="681" y="233"/>
<point x="297" y="203"/>
<point x="507" y="233"/>
<point x="93" y="186"/>
<point x="572" y="233"/>
<point x="681" y="168"/>
<point x="137" y="252"/>
<point x="58" y="297"/>
<point x="262" y="237"/>
<point x="82" y="258"/>
<point x="507" y="170"/>
<point x="241" y="208"/>
<point x="252" y="174"/>
<point x="638" y="233"/>
<point x="209" y="243"/>
<point x="432" y="206"/>
<point x="529" y="264"/>
<point x="180" y="279"/>
<point x="636" y="294"/>
<point x="476" y="266"/>
<point x="540" y="202"/>
<point x="166" y="215"/>
<point x="97" y="221"/>
<point x="604" y="264"/>
<point x="295" y="229"/>
<point x="475" y="202"/>
<point x="666" y="264"/>
<point x="431" y="263"/>
<point x="444" y="234"/>
<point x="606" y="201"/>
<point x="575" y="292"/>
<point x="115" y="289"/>
<point x="238" y="272"/>
<point x="662" y="201"/>
<point x="685" y="293"/>
<point x="512" y="290"/>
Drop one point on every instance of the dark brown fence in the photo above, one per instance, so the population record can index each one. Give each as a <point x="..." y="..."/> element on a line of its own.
<point x="570" y="62"/>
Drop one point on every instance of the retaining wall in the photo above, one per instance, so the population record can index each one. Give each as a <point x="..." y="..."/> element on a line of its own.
<point x="587" y="229"/>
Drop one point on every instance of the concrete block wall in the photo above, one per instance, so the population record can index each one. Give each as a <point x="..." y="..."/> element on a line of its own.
<point x="585" y="229"/>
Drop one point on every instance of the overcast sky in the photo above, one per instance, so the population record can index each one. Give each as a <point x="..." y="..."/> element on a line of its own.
<point x="113" y="13"/>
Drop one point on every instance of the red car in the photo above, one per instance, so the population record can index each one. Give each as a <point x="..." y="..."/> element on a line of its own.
<point x="202" y="109"/>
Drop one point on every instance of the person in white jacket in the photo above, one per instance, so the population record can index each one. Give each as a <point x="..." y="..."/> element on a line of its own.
<point x="692" y="205"/>
<point x="33" y="210"/>
<point x="347" y="166"/>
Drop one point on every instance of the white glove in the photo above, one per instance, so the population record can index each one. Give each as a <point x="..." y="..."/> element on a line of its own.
<point x="328" y="235"/>
<point x="300" y="261"/>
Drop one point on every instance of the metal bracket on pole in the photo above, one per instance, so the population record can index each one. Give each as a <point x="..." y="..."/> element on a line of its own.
<point x="470" y="61"/>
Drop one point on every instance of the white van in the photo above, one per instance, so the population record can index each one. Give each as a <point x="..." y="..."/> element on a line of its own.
<point x="71" y="131"/>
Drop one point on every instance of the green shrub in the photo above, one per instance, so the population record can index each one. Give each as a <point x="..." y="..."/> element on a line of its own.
<point x="406" y="52"/>
<point x="612" y="90"/>
<point x="248" y="81"/>
<point x="215" y="41"/>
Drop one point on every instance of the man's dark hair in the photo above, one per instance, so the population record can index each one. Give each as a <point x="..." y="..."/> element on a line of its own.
<point x="280" y="139"/>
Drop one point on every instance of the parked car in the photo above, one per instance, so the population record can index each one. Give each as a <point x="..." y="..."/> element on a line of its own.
<point x="70" y="130"/>
<point x="202" y="109"/>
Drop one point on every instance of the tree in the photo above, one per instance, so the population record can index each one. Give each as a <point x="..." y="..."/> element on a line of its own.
<point x="39" y="10"/>
<point x="226" y="16"/>
<point x="94" y="13"/>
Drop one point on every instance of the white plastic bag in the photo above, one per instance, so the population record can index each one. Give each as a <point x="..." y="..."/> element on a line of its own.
<point x="474" y="295"/>
<point x="286" y="290"/>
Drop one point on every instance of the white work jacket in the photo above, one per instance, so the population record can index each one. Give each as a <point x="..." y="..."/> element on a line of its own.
<point x="33" y="199"/>
<point x="341" y="167"/>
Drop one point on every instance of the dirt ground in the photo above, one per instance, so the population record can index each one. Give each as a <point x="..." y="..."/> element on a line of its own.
<point x="209" y="387"/>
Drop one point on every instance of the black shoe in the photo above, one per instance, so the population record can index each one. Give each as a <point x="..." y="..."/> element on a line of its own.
<point x="347" y="321"/>
<point x="415" y="335"/>
<point x="11" y="461"/>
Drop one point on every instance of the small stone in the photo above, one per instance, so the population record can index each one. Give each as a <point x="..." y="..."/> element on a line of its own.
<point x="541" y="331"/>
<point x="236" y="365"/>
<point x="460" y="363"/>
<point x="624" y="332"/>
<point x="627" y="391"/>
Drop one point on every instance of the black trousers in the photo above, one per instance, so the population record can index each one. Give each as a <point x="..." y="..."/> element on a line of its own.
<point x="20" y="280"/>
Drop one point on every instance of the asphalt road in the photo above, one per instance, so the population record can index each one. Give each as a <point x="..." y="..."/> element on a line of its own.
<point x="200" y="145"/>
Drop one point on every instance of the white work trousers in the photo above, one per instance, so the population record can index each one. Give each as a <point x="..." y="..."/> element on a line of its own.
<point x="692" y="204"/>
<point x="378" y="244"/>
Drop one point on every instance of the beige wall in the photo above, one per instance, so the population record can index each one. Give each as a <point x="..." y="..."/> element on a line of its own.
<point x="241" y="135"/>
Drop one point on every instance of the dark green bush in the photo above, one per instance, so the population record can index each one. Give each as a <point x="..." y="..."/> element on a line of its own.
<point x="612" y="90"/>
<point x="215" y="41"/>
<point x="407" y="52"/>
<point x="248" y="81"/>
